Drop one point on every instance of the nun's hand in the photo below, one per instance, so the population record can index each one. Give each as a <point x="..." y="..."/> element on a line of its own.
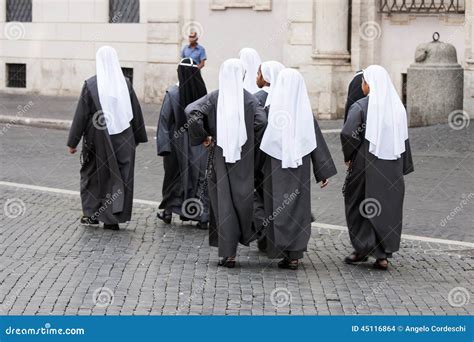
<point x="349" y="163"/>
<point x="207" y="142"/>
<point x="72" y="150"/>
<point x="324" y="183"/>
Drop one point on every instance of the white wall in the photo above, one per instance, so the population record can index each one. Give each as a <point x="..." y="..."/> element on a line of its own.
<point x="226" y="32"/>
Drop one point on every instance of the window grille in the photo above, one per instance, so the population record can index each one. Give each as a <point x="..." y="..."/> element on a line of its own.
<point x="16" y="75"/>
<point x="128" y="73"/>
<point x="124" y="11"/>
<point x="19" y="10"/>
<point x="422" y="6"/>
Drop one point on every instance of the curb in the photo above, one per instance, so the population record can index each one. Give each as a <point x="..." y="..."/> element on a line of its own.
<point x="46" y="123"/>
<point x="66" y="124"/>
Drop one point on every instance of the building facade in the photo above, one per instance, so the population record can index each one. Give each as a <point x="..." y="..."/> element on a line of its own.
<point x="48" y="46"/>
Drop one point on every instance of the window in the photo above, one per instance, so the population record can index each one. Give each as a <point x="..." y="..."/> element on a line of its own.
<point x="16" y="75"/>
<point x="422" y="6"/>
<point x="19" y="10"/>
<point x="128" y="73"/>
<point x="124" y="11"/>
<point x="404" y="89"/>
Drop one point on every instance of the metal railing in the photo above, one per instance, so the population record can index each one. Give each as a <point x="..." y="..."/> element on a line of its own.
<point x="422" y="6"/>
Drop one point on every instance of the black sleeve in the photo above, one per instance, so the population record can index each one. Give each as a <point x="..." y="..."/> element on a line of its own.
<point x="79" y="123"/>
<point x="197" y="114"/>
<point x="164" y="128"/>
<point x="323" y="164"/>
<point x="408" y="166"/>
<point x="351" y="134"/>
<point x="137" y="123"/>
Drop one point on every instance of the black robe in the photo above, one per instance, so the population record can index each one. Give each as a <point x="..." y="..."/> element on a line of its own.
<point x="185" y="165"/>
<point x="374" y="189"/>
<point x="261" y="96"/>
<point x="231" y="186"/>
<point x="287" y="200"/>
<point x="108" y="161"/>
<point x="259" y="210"/>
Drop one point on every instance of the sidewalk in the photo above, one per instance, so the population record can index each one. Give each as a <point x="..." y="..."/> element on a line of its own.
<point x="52" y="265"/>
<point x="58" y="111"/>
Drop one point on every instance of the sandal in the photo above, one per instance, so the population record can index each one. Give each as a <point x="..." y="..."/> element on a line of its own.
<point x="355" y="258"/>
<point x="381" y="264"/>
<point x="184" y="218"/>
<point x="165" y="216"/>
<point x="289" y="264"/>
<point x="228" y="262"/>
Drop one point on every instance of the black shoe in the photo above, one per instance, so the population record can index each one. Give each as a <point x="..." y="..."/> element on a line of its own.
<point x="288" y="264"/>
<point x="111" y="226"/>
<point x="202" y="225"/>
<point x="262" y="244"/>
<point x="165" y="216"/>
<point x="381" y="264"/>
<point x="184" y="218"/>
<point x="226" y="262"/>
<point x="87" y="221"/>
<point x="355" y="258"/>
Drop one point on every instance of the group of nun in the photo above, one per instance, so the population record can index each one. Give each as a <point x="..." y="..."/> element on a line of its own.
<point x="239" y="160"/>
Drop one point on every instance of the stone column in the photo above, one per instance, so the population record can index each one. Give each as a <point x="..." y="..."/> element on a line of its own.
<point x="469" y="65"/>
<point x="164" y="38"/>
<point x="327" y="74"/>
<point x="331" y="22"/>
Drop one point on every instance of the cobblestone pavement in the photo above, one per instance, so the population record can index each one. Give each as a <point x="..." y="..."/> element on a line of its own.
<point x="52" y="265"/>
<point x="443" y="177"/>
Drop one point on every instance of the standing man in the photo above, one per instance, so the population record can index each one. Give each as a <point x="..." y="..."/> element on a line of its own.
<point x="194" y="50"/>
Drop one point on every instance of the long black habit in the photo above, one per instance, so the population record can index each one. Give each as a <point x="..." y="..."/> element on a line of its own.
<point x="108" y="161"/>
<point x="231" y="186"/>
<point x="374" y="189"/>
<point x="259" y="210"/>
<point x="261" y="96"/>
<point x="287" y="199"/>
<point x="184" y="165"/>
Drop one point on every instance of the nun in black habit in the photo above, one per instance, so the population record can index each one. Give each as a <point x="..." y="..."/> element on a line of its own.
<point x="229" y="120"/>
<point x="110" y="123"/>
<point x="354" y="93"/>
<point x="377" y="151"/>
<point x="266" y="79"/>
<point x="184" y="192"/>
<point x="292" y="142"/>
